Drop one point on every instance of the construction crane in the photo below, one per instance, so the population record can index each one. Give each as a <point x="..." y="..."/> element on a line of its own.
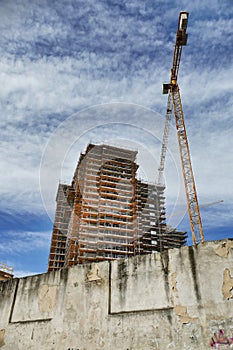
<point x="174" y="102"/>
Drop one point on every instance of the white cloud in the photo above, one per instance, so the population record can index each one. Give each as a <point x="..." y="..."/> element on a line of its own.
<point x="23" y="241"/>
<point x="100" y="60"/>
<point x="22" y="273"/>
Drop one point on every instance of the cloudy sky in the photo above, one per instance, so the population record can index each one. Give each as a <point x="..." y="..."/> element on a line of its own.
<point x="75" y="71"/>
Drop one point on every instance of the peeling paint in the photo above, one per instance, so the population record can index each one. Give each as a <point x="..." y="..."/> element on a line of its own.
<point x="227" y="286"/>
<point x="123" y="304"/>
<point x="181" y="311"/>
<point x="93" y="274"/>
<point x="224" y="248"/>
<point x="2" y="334"/>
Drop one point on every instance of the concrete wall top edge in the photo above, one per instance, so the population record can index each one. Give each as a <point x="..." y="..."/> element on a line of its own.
<point x="138" y="259"/>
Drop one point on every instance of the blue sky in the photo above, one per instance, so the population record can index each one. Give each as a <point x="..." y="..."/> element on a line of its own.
<point x="74" y="71"/>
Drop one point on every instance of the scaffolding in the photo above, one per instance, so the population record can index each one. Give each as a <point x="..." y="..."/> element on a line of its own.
<point x="6" y="272"/>
<point x="107" y="213"/>
<point x="60" y="228"/>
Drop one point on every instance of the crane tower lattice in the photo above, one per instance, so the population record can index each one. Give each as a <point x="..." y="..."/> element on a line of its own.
<point x="174" y="103"/>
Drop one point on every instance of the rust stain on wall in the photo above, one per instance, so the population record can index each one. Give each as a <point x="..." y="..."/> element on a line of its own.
<point x="227" y="286"/>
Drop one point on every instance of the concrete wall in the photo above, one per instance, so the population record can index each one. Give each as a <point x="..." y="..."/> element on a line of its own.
<point x="175" y="300"/>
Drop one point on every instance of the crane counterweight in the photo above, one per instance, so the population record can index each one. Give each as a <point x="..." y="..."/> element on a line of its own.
<point x="183" y="20"/>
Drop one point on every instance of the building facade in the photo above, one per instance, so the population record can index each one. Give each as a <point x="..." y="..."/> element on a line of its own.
<point x="107" y="213"/>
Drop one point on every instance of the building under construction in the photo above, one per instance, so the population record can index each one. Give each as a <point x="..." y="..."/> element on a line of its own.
<point x="6" y="272"/>
<point x="107" y="213"/>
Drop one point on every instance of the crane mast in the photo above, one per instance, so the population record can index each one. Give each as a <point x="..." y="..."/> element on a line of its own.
<point x="174" y="102"/>
<point x="165" y="139"/>
<point x="181" y="40"/>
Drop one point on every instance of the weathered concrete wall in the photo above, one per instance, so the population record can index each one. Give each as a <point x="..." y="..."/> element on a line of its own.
<point x="175" y="300"/>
